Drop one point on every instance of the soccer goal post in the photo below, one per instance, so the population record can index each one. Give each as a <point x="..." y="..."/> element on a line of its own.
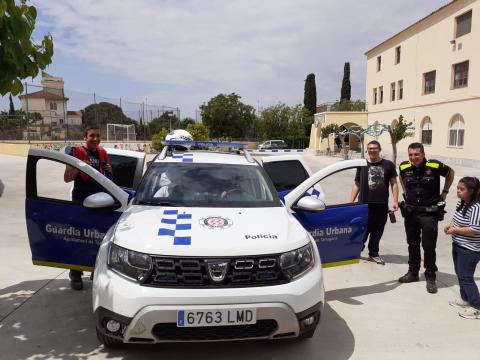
<point x="121" y="132"/>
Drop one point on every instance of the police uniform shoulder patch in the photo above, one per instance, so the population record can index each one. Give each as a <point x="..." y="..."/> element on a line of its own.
<point x="434" y="164"/>
<point x="405" y="165"/>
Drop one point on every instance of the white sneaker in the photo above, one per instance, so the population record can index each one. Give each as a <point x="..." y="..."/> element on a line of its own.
<point x="470" y="313"/>
<point x="459" y="303"/>
<point x="376" y="259"/>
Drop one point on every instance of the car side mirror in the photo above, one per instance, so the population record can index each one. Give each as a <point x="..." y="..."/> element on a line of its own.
<point x="310" y="203"/>
<point x="99" y="200"/>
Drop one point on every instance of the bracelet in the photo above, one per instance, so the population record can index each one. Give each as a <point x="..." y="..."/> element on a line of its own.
<point x="445" y="191"/>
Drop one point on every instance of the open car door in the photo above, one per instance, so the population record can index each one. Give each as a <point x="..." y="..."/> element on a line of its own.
<point x="63" y="233"/>
<point x="289" y="171"/>
<point x="337" y="225"/>
<point x="127" y="168"/>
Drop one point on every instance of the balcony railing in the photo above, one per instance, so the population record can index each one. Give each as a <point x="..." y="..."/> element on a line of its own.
<point x="343" y="105"/>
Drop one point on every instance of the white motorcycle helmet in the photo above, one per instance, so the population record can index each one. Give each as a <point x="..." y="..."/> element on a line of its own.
<point x="181" y="135"/>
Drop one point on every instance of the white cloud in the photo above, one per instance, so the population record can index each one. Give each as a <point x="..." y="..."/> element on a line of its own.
<point x="193" y="49"/>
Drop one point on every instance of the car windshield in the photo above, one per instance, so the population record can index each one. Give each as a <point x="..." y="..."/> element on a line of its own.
<point x="206" y="185"/>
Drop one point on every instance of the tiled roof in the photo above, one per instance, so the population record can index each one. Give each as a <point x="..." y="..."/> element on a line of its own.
<point x="77" y="113"/>
<point x="43" y="94"/>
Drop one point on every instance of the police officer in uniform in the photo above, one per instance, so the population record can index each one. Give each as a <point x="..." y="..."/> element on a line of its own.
<point x="420" y="179"/>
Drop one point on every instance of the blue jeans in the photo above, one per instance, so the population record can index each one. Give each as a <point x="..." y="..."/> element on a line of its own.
<point x="465" y="262"/>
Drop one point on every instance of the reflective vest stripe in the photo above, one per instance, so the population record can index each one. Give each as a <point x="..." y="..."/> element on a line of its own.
<point x="434" y="165"/>
<point x="405" y="166"/>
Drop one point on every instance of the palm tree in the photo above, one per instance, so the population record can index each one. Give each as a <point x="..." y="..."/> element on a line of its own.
<point x="399" y="131"/>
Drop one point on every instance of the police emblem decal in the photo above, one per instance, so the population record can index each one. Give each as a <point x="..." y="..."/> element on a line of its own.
<point x="216" y="222"/>
<point x="217" y="270"/>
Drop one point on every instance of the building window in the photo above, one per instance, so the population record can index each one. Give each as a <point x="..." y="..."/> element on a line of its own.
<point x="53" y="106"/>
<point x="429" y="82"/>
<point x="392" y="91"/>
<point x="375" y="96"/>
<point x="456" y="131"/>
<point x="398" y="52"/>
<point x="463" y="24"/>
<point x="379" y="63"/>
<point x="427" y="131"/>
<point x="380" y="90"/>
<point x="60" y="121"/>
<point x="400" y="90"/>
<point x="460" y="75"/>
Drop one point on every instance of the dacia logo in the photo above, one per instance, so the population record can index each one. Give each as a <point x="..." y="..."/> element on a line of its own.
<point x="217" y="270"/>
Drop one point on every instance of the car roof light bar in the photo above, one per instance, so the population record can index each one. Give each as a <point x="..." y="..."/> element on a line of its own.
<point x="209" y="144"/>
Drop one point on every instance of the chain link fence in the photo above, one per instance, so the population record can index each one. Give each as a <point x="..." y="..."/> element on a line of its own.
<point x="50" y="112"/>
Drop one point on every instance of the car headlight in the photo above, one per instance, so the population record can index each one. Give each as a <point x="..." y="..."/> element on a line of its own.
<point x="130" y="263"/>
<point x="297" y="262"/>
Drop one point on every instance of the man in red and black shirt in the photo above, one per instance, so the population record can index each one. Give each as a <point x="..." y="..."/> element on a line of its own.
<point x="95" y="156"/>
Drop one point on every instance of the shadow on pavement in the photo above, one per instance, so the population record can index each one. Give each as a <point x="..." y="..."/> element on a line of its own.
<point x="57" y="323"/>
<point x="348" y="295"/>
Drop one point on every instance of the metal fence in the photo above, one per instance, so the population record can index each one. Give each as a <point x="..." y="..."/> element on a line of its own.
<point x="54" y="113"/>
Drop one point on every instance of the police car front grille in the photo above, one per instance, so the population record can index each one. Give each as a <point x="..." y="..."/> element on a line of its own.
<point x="193" y="272"/>
<point x="170" y="331"/>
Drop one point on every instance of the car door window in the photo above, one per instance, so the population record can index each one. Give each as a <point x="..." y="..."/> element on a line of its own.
<point x="338" y="187"/>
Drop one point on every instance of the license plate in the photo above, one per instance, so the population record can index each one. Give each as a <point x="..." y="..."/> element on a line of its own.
<point x="224" y="317"/>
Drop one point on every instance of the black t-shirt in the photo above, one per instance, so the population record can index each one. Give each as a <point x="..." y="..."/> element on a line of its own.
<point x="379" y="176"/>
<point x="81" y="188"/>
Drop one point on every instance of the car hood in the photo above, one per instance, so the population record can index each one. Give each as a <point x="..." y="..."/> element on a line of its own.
<point x="209" y="231"/>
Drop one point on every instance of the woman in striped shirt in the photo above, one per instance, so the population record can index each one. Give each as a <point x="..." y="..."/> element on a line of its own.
<point x="465" y="231"/>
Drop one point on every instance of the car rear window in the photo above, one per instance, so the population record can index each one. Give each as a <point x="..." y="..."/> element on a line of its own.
<point x="286" y="175"/>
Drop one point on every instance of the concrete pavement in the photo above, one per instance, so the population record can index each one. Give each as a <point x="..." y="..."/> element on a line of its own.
<point x="369" y="314"/>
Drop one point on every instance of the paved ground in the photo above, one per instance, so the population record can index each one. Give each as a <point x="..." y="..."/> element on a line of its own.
<point x="368" y="315"/>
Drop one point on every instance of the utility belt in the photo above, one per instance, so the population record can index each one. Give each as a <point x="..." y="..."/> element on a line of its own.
<point x="438" y="209"/>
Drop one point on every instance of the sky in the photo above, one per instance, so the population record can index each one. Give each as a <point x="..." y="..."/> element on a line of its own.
<point x="181" y="53"/>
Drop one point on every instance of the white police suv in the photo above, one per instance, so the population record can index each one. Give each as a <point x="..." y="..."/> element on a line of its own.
<point x="209" y="246"/>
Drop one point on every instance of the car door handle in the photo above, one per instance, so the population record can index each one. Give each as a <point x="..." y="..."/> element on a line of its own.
<point x="356" y="220"/>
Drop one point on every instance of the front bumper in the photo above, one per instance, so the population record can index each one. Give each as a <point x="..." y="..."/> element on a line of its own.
<point x="155" y="324"/>
<point x="149" y="314"/>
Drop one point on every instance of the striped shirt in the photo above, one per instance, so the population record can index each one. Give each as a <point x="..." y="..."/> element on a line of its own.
<point x="472" y="220"/>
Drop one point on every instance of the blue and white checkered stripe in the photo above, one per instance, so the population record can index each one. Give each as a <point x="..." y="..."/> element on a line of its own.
<point x="183" y="157"/>
<point x="177" y="227"/>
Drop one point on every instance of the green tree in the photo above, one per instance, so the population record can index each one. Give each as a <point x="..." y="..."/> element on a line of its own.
<point x="185" y="122"/>
<point x="105" y="113"/>
<point x="19" y="56"/>
<point x="327" y="130"/>
<point x="276" y="119"/>
<point x="310" y="94"/>
<point x="167" y="120"/>
<point x="348" y="105"/>
<point x="398" y="131"/>
<point x="346" y="92"/>
<point x="226" y="116"/>
<point x="158" y="138"/>
<point x="11" y="110"/>
<point x="300" y="119"/>
<point x="199" y="131"/>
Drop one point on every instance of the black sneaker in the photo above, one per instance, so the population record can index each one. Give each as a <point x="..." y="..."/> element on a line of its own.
<point x="409" y="277"/>
<point x="431" y="286"/>
<point x="76" y="282"/>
